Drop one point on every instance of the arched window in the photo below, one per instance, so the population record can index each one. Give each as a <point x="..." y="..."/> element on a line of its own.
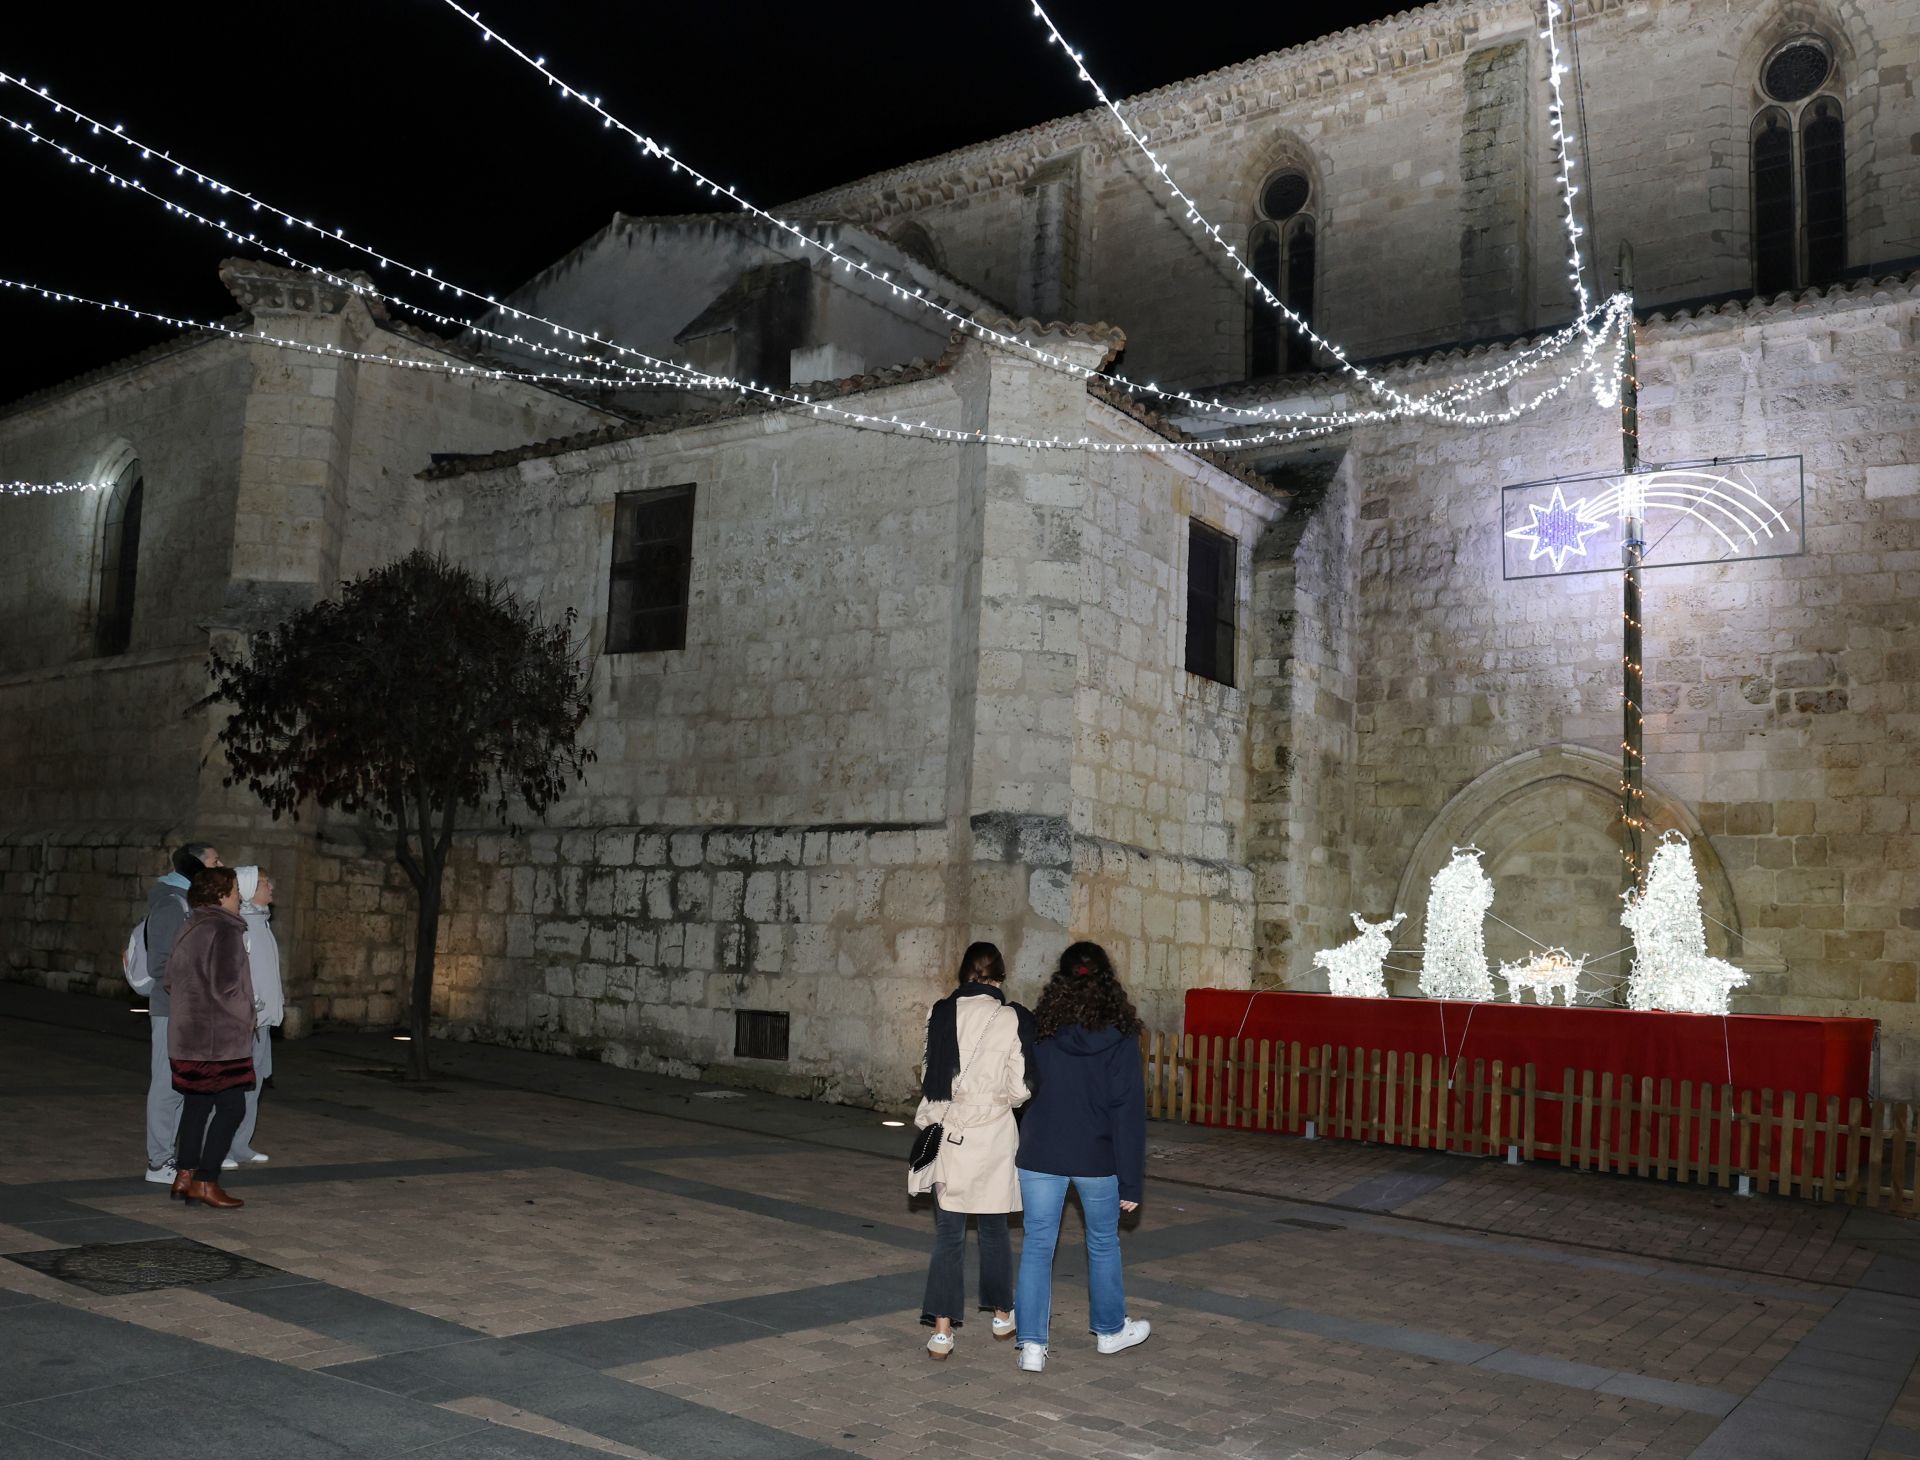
<point x="119" y="563"/>
<point x="1799" y="170"/>
<point x="1280" y="253"/>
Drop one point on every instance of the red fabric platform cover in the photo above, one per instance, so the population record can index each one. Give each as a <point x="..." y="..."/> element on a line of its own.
<point x="1766" y="1051"/>
<point x="1778" y="1052"/>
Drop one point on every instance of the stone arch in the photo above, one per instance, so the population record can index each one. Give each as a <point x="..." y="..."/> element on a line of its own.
<point x="1548" y="822"/>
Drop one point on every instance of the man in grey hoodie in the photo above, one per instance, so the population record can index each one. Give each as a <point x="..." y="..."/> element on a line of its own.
<point x="166" y="915"/>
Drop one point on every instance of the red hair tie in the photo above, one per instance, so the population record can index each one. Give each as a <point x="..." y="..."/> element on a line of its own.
<point x="1082" y="970"/>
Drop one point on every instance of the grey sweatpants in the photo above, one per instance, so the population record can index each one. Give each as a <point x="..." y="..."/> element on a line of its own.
<point x="242" y="1146"/>
<point x="163" y="1101"/>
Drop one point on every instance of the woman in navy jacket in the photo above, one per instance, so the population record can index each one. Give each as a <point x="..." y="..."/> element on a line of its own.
<point x="1086" y="1127"/>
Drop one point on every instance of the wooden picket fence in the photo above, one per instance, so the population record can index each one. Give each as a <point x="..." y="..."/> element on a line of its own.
<point x="1864" y="1153"/>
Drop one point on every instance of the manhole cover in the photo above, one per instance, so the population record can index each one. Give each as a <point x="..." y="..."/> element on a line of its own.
<point x="112" y="1269"/>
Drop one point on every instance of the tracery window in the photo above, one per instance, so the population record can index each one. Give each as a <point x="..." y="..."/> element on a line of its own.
<point x="1281" y="255"/>
<point x="1799" y="173"/>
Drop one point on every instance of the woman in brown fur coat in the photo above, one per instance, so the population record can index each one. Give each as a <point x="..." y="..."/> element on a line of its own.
<point x="210" y="1032"/>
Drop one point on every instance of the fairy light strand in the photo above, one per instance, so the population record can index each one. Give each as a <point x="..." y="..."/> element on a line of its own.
<point x="1413" y="405"/>
<point x="654" y="370"/>
<point x="657" y="150"/>
<point x="50" y="489"/>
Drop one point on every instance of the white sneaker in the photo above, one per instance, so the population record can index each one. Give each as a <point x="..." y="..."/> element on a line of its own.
<point x="229" y="1164"/>
<point x="1033" y="1357"/>
<point x="161" y="1175"/>
<point x="1135" y="1331"/>
<point x="1004" y="1327"/>
<point x="940" y="1345"/>
<point x="256" y="1158"/>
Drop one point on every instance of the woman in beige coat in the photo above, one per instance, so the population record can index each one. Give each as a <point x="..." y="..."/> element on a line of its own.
<point x="975" y="1075"/>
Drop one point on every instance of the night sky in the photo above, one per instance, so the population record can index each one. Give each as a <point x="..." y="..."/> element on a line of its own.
<point x="391" y="119"/>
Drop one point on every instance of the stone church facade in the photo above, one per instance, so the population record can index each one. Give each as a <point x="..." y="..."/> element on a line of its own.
<point x="910" y="692"/>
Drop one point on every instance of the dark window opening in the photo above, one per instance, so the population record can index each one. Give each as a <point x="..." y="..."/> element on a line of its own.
<point x="1213" y="577"/>
<point x="120" y="564"/>
<point x="1299" y="295"/>
<point x="1266" y="326"/>
<point x="1773" y="222"/>
<point x="652" y="568"/>
<point x="1823" y="169"/>
<point x="759" y="1034"/>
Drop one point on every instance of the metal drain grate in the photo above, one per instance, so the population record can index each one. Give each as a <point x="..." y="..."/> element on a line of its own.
<point x="113" y="1269"/>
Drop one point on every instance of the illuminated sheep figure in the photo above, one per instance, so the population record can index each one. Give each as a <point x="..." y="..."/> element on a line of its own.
<point x="1453" y="962"/>
<point x="1544" y="975"/>
<point x="1355" y="969"/>
<point x="1671" y="967"/>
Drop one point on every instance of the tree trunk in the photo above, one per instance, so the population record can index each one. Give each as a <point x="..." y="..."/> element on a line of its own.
<point x="426" y="934"/>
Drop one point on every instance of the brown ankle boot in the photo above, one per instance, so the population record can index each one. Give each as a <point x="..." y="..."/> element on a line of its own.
<point x="210" y="1193"/>
<point x="181" y="1181"/>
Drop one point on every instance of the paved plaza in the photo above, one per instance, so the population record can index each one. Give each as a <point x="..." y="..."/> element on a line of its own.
<point x="541" y="1259"/>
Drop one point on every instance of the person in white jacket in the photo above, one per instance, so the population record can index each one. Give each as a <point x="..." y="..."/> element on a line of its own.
<point x="263" y="957"/>
<point x="975" y="1075"/>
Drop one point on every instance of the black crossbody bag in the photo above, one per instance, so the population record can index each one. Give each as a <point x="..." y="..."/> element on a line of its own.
<point x="926" y="1141"/>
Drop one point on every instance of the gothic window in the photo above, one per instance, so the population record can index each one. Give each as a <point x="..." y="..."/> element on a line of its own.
<point x="1798" y="162"/>
<point x="1281" y="255"/>
<point x="652" y="568"/>
<point x="1213" y="579"/>
<point x="119" y="563"/>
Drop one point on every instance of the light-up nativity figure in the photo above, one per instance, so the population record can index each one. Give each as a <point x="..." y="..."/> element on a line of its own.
<point x="1671" y="967"/>
<point x="1356" y="969"/>
<point x="1549" y="972"/>
<point x="1453" y="963"/>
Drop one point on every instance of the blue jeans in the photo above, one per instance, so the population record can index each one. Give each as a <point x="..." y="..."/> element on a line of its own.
<point x="1042" y="1198"/>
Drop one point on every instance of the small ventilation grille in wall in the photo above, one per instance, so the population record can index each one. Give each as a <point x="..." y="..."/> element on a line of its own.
<point x="759" y="1034"/>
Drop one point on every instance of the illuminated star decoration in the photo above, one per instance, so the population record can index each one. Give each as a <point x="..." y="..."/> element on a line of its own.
<point x="1558" y="529"/>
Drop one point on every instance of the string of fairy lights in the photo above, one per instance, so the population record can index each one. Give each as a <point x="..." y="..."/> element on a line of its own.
<point x="1592" y="327"/>
<point x="653" y="149"/>
<point x="1603" y="387"/>
<point x="652" y="370"/>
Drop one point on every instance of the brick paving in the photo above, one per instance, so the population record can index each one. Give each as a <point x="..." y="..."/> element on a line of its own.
<point x="537" y="1259"/>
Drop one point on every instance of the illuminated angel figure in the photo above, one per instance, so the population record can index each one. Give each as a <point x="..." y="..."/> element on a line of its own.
<point x="1558" y="529"/>
<point x="1453" y="962"/>
<point x="1552" y="971"/>
<point x="1356" y="968"/>
<point x="1671" y="967"/>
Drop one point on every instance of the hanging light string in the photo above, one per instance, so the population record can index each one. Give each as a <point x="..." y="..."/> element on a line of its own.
<point x="654" y="149"/>
<point x="262" y="337"/>
<point x="1603" y="390"/>
<point x="1563" y="160"/>
<point x="50" y="489"/>
<point x="98" y="169"/>
<point x="823" y="409"/>
<point x="652" y="370"/>
<point x="867" y="420"/>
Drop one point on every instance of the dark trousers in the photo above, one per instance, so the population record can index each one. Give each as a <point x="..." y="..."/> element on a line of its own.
<point x="947" y="1274"/>
<point x="207" y="1124"/>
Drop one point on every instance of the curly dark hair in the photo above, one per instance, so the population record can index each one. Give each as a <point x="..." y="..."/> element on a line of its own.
<point x="1085" y="991"/>
<point x="209" y="885"/>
